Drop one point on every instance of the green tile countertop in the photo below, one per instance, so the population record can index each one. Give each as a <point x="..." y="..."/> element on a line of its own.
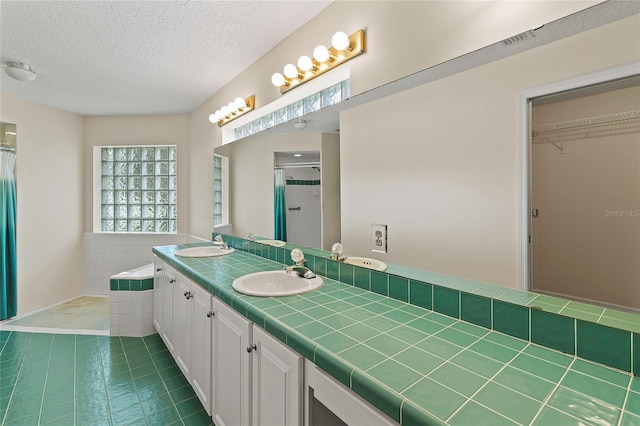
<point x="418" y="366"/>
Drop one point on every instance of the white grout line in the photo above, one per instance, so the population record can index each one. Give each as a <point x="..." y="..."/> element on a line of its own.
<point x="544" y="403"/>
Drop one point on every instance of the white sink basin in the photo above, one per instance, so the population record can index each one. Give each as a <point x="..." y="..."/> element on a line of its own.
<point x="275" y="283"/>
<point x="366" y="262"/>
<point x="207" y="251"/>
<point x="275" y="243"/>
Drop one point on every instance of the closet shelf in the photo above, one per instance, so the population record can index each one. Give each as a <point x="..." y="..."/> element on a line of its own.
<point x="590" y="127"/>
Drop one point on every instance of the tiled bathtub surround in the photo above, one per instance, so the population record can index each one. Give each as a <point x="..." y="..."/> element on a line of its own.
<point x="597" y="334"/>
<point x="106" y="254"/>
<point x="419" y="366"/>
<point x="132" y="302"/>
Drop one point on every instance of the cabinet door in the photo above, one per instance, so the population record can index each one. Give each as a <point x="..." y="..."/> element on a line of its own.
<point x="181" y="319"/>
<point x="202" y="319"/>
<point x="231" y="367"/>
<point x="158" y="278"/>
<point x="277" y="382"/>
<point x="168" y="288"/>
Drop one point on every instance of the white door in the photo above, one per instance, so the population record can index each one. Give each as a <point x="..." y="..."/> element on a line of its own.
<point x="181" y="320"/>
<point x="158" y="278"/>
<point x="232" y="368"/>
<point x="201" y="325"/>
<point x="277" y="382"/>
<point x="169" y="283"/>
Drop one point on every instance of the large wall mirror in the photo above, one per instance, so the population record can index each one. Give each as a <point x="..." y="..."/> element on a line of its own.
<point x="391" y="119"/>
<point x="310" y="159"/>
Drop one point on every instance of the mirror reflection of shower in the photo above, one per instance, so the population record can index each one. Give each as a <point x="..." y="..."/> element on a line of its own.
<point x="302" y="196"/>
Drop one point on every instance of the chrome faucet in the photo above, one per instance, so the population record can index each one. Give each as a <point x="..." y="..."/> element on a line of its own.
<point x="299" y="268"/>
<point x="218" y="241"/>
<point x="336" y="251"/>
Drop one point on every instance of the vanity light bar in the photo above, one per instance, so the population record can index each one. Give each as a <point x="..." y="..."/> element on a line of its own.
<point x="233" y="110"/>
<point x="342" y="49"/>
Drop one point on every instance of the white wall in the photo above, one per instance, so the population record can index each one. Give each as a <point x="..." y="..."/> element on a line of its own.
<point x="438" y="163"/>
<point x="49" y="177"/>
<point x="138" y="130"/>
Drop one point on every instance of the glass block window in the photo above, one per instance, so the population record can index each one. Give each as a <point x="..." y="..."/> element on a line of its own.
<point x="217" y="190"/>
<point x="139" y="189"/>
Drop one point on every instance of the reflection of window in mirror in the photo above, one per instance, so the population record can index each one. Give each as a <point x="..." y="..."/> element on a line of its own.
<point x="220" y="190"/>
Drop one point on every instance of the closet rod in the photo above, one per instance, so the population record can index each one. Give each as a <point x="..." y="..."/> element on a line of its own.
<point x="295" y="165"/>
<point x="618" y="118"/>
<point x="6" y="147"/>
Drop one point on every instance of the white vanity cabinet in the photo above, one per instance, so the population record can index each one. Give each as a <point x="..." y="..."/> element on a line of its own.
<point x="192" y="329"/>
<point x="167" y="284"/>
<point x="277" y="382"/>
<point x="182" y="307"/>
<point x="257" y="379"/>
<point x="242" y="375"/>
<point x="231" y="367"/>
<point x="202" y="337"/>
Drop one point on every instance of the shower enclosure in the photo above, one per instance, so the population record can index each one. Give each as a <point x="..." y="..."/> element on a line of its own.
<point x="8" y="271"/>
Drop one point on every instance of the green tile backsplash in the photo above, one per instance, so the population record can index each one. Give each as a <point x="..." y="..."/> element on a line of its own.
<point x="553" y="331"/>
<point x="512" y="312"/>
<point x="446" y="301"/>
<point x="511" y="319"/>
<point x="475" y="309"/>
<point x="604" y="344"/>
<point x="421" y="294"/>
<point x="636" y="354"/>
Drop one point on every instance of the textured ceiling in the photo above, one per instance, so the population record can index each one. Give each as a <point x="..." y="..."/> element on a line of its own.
<point x="139" y="57"/>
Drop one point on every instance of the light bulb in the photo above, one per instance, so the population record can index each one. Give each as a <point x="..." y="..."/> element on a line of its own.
<point x="240" y="103"/>
<point x="340" y="41"/>
<point x="290" y="71"/>
<point x="305" y="63"/>
<point x="225" y="111"/>
<point x="277" y="79"/>
<point x="213" y="118"/>
<point x="321" y="54"/>
<point x="232" y="106"/>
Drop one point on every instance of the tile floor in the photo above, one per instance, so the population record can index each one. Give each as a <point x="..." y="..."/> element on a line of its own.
<point x="66" y="379"/>
<point x="84" y="315"/>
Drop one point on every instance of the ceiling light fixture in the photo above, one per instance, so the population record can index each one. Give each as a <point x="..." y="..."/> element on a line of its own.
<point x="300" y="124"/>
<point x="343" y="48"/>
<point x="20" y="71"/>
<point x="233" y="110"/>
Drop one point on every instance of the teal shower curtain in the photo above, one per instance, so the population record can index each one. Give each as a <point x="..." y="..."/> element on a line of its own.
<point x="280" y="207"/>
<point x="8" y="274"/>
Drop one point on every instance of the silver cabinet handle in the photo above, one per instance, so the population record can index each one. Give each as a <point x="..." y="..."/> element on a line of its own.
<point x="158" y="269"/>
<point x="172" y="280"/>
<point x="188" y="295"/>
<point x="252" y="348"/>
<point x="211" y="314"/>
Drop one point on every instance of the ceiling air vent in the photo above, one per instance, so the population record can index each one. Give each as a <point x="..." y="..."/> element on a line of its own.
<point x="518" y="38"/>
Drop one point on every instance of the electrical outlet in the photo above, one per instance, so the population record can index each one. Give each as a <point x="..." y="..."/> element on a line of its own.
<point x="378" y="238"/>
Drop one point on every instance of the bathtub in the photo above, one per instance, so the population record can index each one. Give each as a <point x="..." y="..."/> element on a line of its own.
<point x="132" y="302"/>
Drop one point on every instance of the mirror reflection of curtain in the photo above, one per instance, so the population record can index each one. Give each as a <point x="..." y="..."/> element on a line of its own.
<point x="7" y="235"/>
<point x="279" y="205"/>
